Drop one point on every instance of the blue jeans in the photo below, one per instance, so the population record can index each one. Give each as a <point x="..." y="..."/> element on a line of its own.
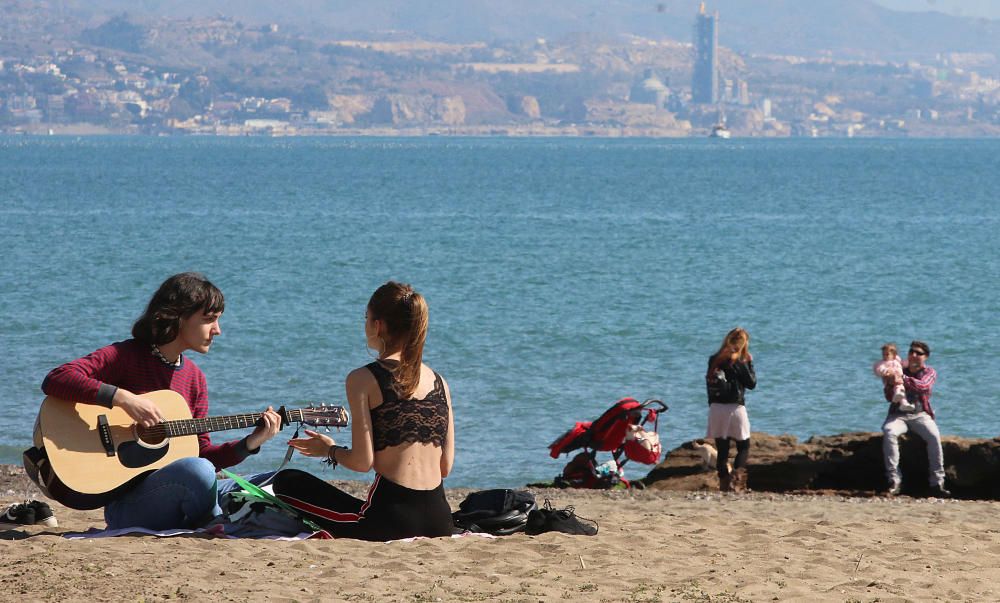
<point x="924" y="426"/>
<point x="184" y="494"/>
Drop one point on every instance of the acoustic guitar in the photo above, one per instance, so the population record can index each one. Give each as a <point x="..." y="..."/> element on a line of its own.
<point x="86" y="455"/>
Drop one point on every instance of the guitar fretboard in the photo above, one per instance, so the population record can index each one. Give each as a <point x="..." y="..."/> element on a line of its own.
<point x="184" y="427"/>
<point x="192" y="426"/>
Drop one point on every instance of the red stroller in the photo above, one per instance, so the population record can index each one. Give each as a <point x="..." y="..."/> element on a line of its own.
<point x="619" y="431"/>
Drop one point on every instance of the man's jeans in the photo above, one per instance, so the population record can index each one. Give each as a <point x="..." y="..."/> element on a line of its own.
<point x="924" y="426"/>
<point x="184" y="494"/>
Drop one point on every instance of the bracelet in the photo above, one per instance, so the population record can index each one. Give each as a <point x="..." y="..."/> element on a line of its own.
<point x="331" y="455"/>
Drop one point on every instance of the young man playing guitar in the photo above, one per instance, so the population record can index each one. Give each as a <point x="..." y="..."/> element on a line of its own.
<point x="182" y="315"/>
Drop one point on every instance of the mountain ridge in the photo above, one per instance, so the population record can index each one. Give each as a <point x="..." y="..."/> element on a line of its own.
<point x="841" y="28"/>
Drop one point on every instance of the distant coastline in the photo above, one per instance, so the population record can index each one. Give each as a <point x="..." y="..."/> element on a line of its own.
<point x="108" y="73"/>
<point x="982" y="131"/>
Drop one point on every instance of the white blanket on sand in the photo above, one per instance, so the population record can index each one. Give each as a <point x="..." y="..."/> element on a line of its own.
<point x="217" y="531"/>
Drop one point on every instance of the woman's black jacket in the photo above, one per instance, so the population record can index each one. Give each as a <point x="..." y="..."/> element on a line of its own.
<point x="738" y="377"/>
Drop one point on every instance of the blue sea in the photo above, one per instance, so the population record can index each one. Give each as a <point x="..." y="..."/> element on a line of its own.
<point x="561" y="274"/>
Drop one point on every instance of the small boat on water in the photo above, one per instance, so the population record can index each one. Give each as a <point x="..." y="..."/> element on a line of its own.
<point x="720" y="131"/>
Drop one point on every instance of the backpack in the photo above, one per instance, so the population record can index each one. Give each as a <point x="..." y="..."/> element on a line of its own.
<point x="582" y="472"/>
<point x="499" y="512"/>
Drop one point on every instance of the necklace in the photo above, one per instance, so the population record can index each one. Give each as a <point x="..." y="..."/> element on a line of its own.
<point x="159" y="355"/>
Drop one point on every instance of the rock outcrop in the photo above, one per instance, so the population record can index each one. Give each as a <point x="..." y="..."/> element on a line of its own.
<point x="415" y="109"/>
<point x="849" y="463"/>
<point x="526" y="106"/>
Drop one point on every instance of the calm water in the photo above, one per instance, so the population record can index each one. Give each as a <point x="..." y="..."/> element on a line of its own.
<point x="561" y="274"/>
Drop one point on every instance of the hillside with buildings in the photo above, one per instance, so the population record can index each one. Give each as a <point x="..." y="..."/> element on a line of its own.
<point x="62" y="70"/>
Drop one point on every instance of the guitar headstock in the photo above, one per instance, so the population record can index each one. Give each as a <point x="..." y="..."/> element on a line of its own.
<point x="320" y="416"/>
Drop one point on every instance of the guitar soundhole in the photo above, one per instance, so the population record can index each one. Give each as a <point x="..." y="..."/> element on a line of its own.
<point x="149" y="437"/>
<point x="136" y="455"/>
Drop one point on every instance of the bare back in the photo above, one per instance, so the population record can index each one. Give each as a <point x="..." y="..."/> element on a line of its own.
<point x="411" y="440"/>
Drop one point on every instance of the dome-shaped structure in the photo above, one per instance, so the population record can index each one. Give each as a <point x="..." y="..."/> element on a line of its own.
<point x="649" y="89"/>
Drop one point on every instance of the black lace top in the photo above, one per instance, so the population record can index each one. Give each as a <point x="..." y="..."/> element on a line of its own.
<point x="396" y="421"/>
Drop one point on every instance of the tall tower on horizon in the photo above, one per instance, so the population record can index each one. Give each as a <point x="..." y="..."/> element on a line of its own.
<point x="705" y="80"/>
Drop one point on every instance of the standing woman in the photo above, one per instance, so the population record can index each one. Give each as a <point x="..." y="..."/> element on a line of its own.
<point x="402" y="426"/>
<point x="730" y="373"/>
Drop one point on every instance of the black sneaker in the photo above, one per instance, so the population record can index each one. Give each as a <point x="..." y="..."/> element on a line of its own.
<point x="21" y="514"/>
<point x="565" y="520"/>
<point x="43" y="514"/>
<point x="28" y="513"/>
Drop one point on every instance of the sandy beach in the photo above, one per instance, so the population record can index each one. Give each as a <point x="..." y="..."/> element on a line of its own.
<point x="652" y="546"/>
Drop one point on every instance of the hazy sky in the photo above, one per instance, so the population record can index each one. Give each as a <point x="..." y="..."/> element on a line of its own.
<point x="967" y="8"/>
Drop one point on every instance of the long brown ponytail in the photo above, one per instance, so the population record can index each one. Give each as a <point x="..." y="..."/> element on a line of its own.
<point x="404" y="312"/>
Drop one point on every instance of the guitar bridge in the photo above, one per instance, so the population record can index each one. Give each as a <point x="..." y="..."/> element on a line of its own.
<point x="104" y="432"/>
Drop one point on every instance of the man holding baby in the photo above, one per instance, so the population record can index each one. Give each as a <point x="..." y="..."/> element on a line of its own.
<point x="914" y="414"/>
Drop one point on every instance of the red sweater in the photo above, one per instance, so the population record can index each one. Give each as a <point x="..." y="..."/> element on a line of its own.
<point x="131" y="365"/>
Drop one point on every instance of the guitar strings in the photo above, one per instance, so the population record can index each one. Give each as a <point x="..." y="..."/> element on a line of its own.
<point x="181" y="427"/>
<point x="192" y="426"/>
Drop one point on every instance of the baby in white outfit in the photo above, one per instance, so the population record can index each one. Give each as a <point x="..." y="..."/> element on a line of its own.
<point x="890" y="369"/>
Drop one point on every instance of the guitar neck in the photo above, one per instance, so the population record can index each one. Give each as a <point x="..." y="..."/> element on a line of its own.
<point x="182" y="427"/>
<point x="324" y="416"/>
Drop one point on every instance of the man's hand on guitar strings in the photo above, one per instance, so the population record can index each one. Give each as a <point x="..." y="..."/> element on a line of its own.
<point x="141" y="410"/>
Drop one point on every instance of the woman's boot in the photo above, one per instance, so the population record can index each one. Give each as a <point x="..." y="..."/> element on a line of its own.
<point x="725" y="482"/>
<point x="739" y="480"/>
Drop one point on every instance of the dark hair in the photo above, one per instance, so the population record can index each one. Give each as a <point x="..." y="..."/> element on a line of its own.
<point x="916" y="343"/>
<point x="404" y="312"/>
<point x="178" y="297"/>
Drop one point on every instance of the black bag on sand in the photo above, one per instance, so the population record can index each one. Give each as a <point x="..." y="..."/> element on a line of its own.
<point x="565" y="520"/>
<point x="499" y="512"/>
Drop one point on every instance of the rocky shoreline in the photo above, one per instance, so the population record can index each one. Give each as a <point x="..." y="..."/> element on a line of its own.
<point x="847" y="464"/>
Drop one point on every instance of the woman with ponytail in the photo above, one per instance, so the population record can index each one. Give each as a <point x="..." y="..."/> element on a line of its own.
<point x="402" y="426"/>
<point x="730" y="373"/>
